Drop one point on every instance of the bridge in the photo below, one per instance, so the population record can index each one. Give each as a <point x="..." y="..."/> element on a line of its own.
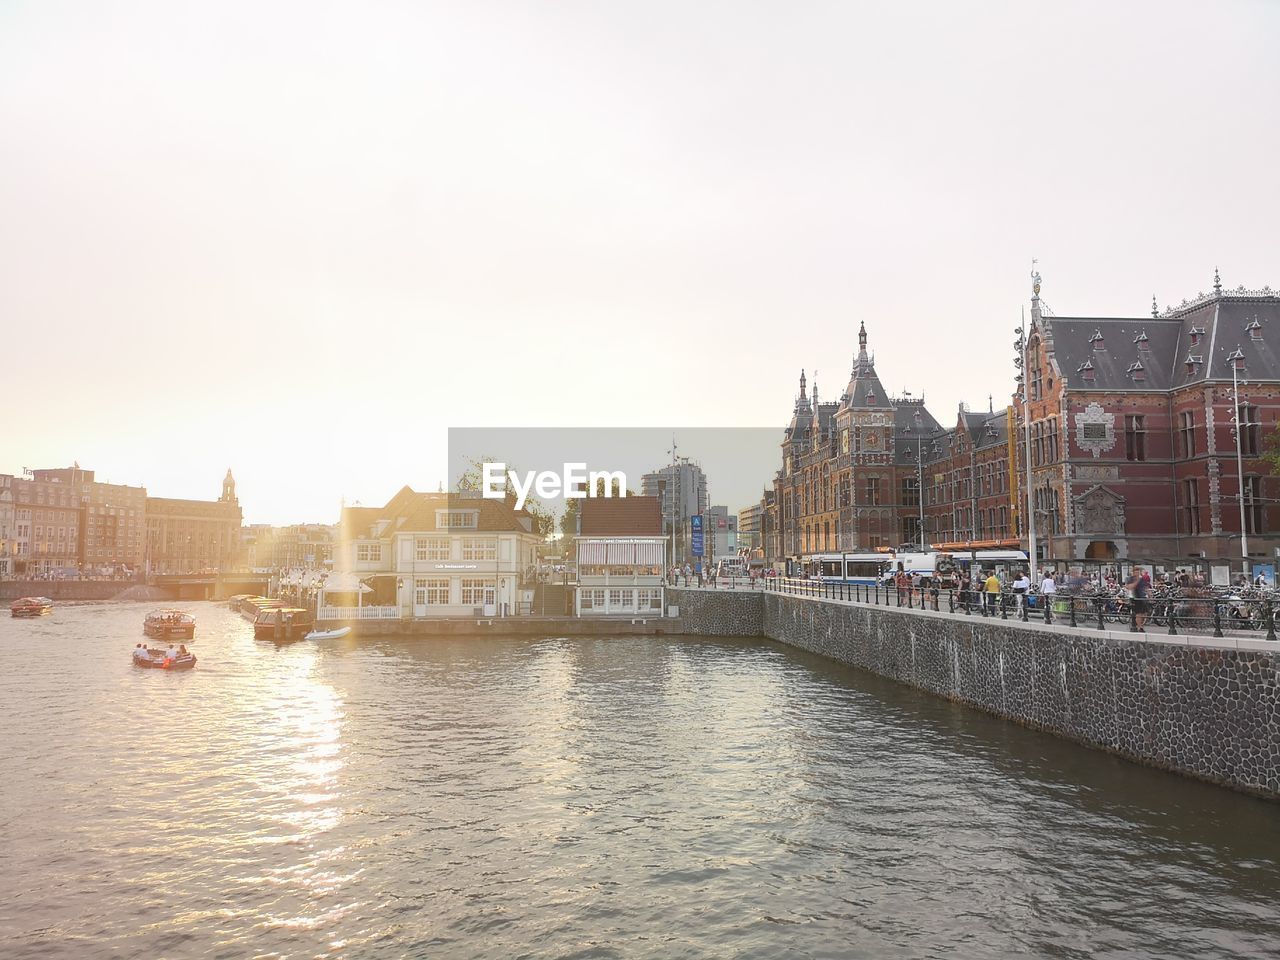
<point x="209" y="586"/>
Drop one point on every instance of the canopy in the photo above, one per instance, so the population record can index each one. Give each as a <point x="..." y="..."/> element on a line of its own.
<point x="339" y="582"/>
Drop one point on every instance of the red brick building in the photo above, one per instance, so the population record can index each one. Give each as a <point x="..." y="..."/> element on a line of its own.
<point x="1133" y="441"/>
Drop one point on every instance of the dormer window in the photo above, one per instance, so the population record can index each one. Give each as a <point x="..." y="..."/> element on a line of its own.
<point x="457" y="519"/>
<point x="1097" y="341"/>
<point x="1137" y="372"/>
<point x="1141" y="341"/>
<point x="1196" y="334"/>
<point x="1255" y="329"/>
<point x="1236" y="359"/>
<point x="1193" y="362"/>
<point x="1086" y="371"/>
<point x="871" y="397"/>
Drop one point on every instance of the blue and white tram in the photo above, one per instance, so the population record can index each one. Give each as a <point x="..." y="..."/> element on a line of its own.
<point x="869" y="568"/>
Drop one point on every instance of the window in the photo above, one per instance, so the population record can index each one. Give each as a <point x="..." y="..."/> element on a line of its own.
<point x="477" y="592"/>
<point x="1191" y="504"/>
<point x="369" y="552"/>
<point x="648" y="599"/>
<point x="431" y="548"/>
<point x="1135" y="437"/>
<point x="592" y="600"/>
<point x="1036" y="374"/>
<point x="1253" y="504"/>
<point x="1053" y="441"/>
<point x="910" y="494"/>
<point x="479" y="549"/>
<point x="1247" y="420"/>
<point x="1187" y="433"/>
<point x="620" y="600"/>
<point x="435" y="592"/>
<point x="457" y="518"/>
<point x="872" y="499"/>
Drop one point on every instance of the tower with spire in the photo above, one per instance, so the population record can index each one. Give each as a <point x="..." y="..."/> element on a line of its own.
<point x="228" y="489"/>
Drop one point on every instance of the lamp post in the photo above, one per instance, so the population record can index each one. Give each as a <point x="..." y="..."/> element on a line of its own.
<point x="1237" y="364"/>
<point x="919" y="432"/>
<point x="1020" y="362"/>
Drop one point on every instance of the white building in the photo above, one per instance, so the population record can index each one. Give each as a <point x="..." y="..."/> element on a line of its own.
<point x="621" y="555"/>
<point x="436" y="555"/>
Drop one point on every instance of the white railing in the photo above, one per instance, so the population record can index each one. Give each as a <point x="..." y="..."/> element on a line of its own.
<point x="358" y="613"/>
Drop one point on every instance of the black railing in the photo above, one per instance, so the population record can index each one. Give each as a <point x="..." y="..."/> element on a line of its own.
<point x="1168" y="612"/>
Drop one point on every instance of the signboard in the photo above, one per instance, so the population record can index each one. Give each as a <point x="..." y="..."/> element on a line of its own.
<point x="695" y="538"/>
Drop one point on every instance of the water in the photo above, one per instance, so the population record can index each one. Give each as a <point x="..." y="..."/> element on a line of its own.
<point x="621" y="797"/>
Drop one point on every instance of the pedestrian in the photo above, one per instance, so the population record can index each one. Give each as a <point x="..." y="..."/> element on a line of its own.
<point x="1136" y="587"/>
<point x="992" y="587"/>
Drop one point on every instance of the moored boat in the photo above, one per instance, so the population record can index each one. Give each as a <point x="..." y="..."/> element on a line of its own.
<point x="169" y="625"/>
<point x="328" y="634"/>
<point x="283" y="625"/>
<point x="31" y="607"/>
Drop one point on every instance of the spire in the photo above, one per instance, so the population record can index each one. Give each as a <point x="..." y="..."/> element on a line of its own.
<point x="1217" y="282"/>
<point x="862" y="336"/>
<point x="862" y="364"/>
<point x="1155" y="311"/>
<point x="228" y="488"/>
<point x="802" y="385"/>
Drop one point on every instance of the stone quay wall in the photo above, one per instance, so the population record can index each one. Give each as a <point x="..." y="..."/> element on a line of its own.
<point x="1194" y="705"/>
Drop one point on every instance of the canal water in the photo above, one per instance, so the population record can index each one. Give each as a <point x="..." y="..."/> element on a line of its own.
<point x="619" y="797"/>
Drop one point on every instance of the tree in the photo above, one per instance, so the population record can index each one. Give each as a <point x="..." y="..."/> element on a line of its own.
<point x="1271" y="450"/>
<point x="471" y="479"/>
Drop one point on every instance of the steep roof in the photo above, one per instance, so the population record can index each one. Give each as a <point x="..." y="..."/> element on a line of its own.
<point x="864" y="390"/>
<point x="412" y="512"/>
<point x="621" y="517"/>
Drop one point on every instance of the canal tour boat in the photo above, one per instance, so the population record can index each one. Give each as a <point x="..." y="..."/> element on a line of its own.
<point x="169" y="625"/>
<point x="153" y="659"/>
<point x="31" y="607"/>
<point x="283" y="625"/>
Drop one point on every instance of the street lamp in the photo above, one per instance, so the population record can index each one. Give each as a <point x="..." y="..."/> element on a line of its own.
<point x="1020" y="345"/>
<point x="1237" y="364"/>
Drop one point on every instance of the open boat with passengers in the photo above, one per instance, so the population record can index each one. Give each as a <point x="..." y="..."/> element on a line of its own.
<point x="169" y="625"/>
<point x="283" y="625"/>
<point x="154" y="658"/>
<point x="31" y="607"/>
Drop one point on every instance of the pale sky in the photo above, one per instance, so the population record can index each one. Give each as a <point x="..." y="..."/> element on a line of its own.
<point x="304" y="239"/>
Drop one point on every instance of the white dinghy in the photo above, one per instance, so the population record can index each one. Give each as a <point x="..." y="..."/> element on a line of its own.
<point x="327" y="634"/>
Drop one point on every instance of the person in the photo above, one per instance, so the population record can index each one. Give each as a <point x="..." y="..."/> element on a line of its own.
<point x="140" y="652"/>
<point x="171" y="653"/>
<point x="992" y="587"/>
<point x="182" y="649"/>
<point x="1136" y="587"/>
<point x="688" y="572"/>
<point x="1048" y="587"/>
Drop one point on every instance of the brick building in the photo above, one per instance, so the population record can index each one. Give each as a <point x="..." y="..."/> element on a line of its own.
<point x="193" y="536"/>
<point x="1133" y="429"/>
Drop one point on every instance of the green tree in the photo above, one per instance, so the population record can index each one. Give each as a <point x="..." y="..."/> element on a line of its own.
<point x="471" y="479"/>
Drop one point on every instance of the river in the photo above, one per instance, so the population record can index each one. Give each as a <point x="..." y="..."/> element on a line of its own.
<point x="620" y="797"/>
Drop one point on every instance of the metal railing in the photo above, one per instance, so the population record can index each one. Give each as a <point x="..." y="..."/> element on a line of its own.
<point x="358" y="613"/>
<point x="1172" y="612"/>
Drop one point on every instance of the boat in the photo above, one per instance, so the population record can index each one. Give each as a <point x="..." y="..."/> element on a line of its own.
<point x="250" y="607"/>
<point x="169" y="625"/>
<point x="283" y="624"/>
<point x="31" y="607"/>
<point x="327" y="634"/>
<point x="154" y="659"/>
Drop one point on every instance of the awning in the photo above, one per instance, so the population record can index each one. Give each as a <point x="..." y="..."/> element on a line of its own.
<point x="592" y="552"/>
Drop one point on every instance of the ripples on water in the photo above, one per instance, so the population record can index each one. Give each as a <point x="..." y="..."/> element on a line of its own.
<point x="644" y="797"/>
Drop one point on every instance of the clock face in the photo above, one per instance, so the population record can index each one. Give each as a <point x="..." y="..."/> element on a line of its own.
<point x="873" y="439"/>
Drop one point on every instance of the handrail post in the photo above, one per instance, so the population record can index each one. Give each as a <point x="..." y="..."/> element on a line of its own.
<point x="1173" y="619"/>
<point x="951" y="601"/>
<point x="1025" y="612"/>
<point x="1097" y="603"/>
<point x="1072" y="603"/>
<point x="1269" y="617"/>
<point x="1047" y="600"/>
<point x="1133" y="616"/>
<point x="1217" y="618"/>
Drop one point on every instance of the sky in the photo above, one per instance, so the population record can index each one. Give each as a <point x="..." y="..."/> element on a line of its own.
<point x="302" y="240"/>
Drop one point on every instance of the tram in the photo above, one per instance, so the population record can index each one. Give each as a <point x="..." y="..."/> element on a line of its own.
<point x="870" y="568"/>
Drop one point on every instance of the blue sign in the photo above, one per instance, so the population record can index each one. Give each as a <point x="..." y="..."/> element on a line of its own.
<point x="695" y="540"/>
